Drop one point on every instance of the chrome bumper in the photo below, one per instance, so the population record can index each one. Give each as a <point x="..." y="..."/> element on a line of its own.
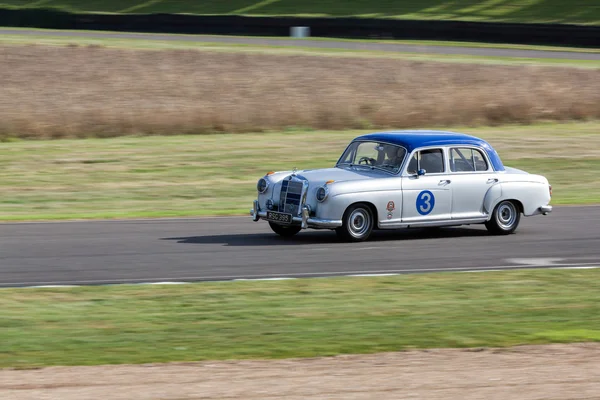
<point x="254" y="211"/>
<point x="304" y="221"/>
<point x="545" y="210"/>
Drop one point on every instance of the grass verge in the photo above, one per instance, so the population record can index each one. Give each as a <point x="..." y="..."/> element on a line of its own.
<point x="549" y="11"/>
<point x="216" y="174"/>
<point x="297" y="318"/>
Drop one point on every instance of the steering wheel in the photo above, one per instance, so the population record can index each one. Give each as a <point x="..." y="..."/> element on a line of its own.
<point x="367" y="161"/>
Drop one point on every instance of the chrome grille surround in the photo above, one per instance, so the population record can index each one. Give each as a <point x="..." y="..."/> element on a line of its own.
<point x="293" y="194"/>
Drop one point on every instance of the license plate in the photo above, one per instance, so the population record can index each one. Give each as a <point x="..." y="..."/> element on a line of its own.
<point x="279" y="217"/>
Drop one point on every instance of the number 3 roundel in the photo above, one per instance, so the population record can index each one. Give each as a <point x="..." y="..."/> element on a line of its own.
<point x="425" y="202"/>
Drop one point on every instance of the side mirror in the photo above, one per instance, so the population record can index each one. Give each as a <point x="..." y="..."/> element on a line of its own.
<point x="421" y="172"/>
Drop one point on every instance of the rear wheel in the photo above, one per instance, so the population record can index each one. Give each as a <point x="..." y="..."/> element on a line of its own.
<point x="283" y="230"/>
<point x="505" y="218"/>
<point x="357" y="224"/>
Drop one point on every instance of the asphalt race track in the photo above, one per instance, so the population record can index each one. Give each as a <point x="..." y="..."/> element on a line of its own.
<point x="322" y="44"/>
<point x="169" y="250"/>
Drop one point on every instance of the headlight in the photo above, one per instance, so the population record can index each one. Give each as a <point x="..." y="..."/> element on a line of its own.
<point x="322" y="193"/>
<point x="262" y="185"/>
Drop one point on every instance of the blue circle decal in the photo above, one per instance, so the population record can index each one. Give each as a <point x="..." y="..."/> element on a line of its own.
<point x="425" y="202"/>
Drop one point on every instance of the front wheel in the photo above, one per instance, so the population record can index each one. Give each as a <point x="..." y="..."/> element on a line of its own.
<point x="285" y="231"/>
<point x="505" y="218"/>
<point x="357" y="224"/>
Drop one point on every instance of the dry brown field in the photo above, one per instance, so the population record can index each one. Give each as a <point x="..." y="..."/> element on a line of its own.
<point x="74" y="91"/>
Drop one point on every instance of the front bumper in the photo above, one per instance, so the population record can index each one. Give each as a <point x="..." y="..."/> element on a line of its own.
<point x="305" y="221"/>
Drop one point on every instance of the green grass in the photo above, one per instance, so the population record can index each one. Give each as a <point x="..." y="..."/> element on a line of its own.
<point x="576" y="11"/>
<point x="161" y="176"/>
<point x="297" y="318"/>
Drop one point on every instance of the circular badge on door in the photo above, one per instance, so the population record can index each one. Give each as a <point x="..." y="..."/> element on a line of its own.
<point x="425" y="202"/>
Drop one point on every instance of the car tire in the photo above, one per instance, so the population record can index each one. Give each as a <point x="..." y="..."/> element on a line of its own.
<point x="505" y="218"/>
<point x="285" y="231"/>
<point x="357" y="224"/>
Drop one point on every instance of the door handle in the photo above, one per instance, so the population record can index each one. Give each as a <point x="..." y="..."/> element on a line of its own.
<point x="445" y="182"/>
<point x="492" y="180"/>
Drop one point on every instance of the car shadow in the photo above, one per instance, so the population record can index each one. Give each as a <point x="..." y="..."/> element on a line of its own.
<point x="327" y="237"/>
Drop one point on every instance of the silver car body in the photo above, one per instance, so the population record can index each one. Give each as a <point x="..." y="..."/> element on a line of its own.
<point x="404" y="198"/>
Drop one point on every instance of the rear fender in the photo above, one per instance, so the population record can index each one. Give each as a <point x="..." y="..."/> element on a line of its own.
<point x="492" y="197"/>
<point x="531" y="195"/>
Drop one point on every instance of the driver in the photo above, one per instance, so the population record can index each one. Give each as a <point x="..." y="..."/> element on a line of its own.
<point x="393" y="156"/>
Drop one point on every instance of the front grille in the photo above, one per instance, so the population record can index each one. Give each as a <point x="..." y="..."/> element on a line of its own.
<point x="290" y="197"/>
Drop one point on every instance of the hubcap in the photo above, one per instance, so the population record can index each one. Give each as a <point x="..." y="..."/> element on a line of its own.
<point x="359" y="222"/>
<point x="507" y="215"/>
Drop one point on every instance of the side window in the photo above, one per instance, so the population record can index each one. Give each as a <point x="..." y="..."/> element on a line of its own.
<point x="432" y="161"/>
<point x="467" y="160"/>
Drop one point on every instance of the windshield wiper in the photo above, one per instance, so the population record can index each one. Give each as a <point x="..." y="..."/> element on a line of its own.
<point x="348" y="164"/>
<point x="392" y="166"/>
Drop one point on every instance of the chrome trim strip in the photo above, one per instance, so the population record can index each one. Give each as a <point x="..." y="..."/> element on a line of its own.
<point x="444" y="222"/>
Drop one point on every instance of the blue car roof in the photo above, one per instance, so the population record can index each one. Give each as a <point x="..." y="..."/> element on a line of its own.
<point x="415" y="139"/>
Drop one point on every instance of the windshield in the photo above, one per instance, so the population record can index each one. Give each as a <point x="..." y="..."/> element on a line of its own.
<point x="384" y="156"/>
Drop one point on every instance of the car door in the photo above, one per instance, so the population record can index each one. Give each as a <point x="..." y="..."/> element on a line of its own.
<point x="472" y="177"/>
<point x="426" y="187"/>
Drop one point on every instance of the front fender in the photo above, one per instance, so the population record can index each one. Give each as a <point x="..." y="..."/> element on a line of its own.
<point x="334" y="207"/>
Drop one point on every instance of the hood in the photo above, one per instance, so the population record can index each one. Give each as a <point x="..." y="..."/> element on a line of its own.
<point x="343" y="177"/>
<point x="318" y="177"/>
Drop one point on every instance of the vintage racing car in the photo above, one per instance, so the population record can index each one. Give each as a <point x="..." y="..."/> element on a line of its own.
<point x="403" y="179"/>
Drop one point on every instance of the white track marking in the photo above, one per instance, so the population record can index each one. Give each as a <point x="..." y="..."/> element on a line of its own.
<point x="53" y="286"/>
<point x="258" y="276"/>
<point x="483" y="270"/>
<point x="535" y="261"/>
<point x="263" y="279"/>
<point x="573" y="264"/>
<point x="278" y="277"/>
